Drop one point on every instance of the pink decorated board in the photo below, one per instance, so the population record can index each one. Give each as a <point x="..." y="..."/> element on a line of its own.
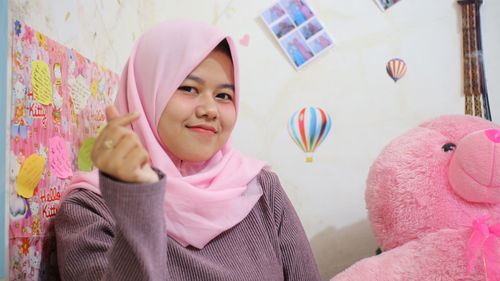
<point x="57" y="107"/>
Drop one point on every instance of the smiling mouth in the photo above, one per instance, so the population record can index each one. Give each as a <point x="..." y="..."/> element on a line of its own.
<point x="203" y="129"/>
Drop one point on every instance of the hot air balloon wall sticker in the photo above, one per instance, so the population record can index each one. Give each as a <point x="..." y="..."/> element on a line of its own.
<point x="396" y="68"/>
<point x="308" y="127"/>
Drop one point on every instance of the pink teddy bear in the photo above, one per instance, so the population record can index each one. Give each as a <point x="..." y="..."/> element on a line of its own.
<point x="433" y="200"/>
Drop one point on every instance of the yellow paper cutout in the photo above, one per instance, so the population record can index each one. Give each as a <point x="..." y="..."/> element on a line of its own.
<point x="30" y="174"/>
<point x="40" y="79"/>
<point x="84" y="160"/>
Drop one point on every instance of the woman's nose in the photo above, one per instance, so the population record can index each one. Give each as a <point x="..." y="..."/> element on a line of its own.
<point x="207" y="107"/>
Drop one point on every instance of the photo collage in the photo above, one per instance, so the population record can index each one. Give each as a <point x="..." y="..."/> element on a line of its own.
<point x="298" y="30"/>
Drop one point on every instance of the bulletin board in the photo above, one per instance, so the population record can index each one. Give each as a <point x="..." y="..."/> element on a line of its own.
<point x="57" y="108"/>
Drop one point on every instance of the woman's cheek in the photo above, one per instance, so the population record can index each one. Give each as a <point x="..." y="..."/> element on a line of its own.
<point x="228" y="114"/>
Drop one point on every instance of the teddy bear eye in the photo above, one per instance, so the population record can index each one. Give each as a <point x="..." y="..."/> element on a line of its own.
<point x="449" y="147"/>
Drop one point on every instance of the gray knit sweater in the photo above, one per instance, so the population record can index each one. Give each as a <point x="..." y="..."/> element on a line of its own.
<point x="121" y="236"/>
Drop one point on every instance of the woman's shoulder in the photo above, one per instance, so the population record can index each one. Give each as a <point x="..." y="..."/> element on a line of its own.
<point x="268" y="180"/>
<point x="267" y="176"/>
<point x="80" y="202"/>
<point x="82" y="196"/>
<point x="272" y="190"/>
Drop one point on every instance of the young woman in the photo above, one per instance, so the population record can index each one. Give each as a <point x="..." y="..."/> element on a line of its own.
<point x="172" y="200"/>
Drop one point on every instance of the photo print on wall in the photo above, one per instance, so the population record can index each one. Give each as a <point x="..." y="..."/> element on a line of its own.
<point x="386" y="4"/>
<point x="298" y="31"/>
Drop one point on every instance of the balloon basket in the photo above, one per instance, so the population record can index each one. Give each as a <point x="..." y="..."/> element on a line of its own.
<point x="309" y="157"/>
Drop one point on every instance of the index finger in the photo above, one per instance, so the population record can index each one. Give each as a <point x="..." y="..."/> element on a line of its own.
<point x="114" y="118"/>
<point x="111" y="113"/>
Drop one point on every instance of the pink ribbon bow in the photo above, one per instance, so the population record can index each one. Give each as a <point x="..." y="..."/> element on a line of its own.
<point x="484" y="241"/>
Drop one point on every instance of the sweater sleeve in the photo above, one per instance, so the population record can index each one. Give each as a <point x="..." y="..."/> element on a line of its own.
<point x="298" y="260"/>
<point x="120" y="238"/>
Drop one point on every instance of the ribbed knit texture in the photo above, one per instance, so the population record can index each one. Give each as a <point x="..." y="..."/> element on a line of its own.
<point x="122" y="237"/>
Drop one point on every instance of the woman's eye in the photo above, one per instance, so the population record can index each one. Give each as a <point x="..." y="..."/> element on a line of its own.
<point x="187" y="89"/>
<point x="224" y="96"/>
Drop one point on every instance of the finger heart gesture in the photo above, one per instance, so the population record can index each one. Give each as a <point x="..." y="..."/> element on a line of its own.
<point x="118" y="151"/>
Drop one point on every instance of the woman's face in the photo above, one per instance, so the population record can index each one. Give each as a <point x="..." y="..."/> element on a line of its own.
<point x="201" y="114"/>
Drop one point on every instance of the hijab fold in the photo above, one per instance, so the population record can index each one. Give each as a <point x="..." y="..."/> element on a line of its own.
<point x="202" y="199"/>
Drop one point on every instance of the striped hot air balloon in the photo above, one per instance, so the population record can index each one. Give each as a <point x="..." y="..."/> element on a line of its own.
<point x="308" y="128"/>
<point x="396" y="68"/>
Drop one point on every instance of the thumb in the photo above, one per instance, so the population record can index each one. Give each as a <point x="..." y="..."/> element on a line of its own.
<point x="111" y="113"/>
<point x="147" y="174"/>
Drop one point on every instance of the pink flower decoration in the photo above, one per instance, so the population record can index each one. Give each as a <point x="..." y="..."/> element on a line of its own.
<point x="28" y="34"/>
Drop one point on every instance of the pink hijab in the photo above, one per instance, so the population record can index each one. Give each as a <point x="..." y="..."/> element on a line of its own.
<point x="202" y="199"/>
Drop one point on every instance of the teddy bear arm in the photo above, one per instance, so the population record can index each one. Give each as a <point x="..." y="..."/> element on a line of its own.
<point x="437" y="256"/>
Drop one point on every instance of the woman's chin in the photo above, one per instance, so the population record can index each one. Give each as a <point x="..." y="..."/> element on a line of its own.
<point x="198" y="157"/>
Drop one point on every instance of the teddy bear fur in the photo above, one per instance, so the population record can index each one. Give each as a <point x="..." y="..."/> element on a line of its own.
<point x="418" y="218"/>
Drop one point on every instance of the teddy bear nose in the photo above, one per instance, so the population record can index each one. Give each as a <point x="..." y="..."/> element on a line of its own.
<point x="474" y="171"/>
<point x="493" y="135"/>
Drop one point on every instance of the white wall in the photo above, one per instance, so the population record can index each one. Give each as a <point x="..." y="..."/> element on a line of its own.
<point x="349" y="81"/>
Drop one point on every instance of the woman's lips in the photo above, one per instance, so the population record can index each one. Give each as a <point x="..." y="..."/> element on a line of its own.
<point x="203" y="129"/>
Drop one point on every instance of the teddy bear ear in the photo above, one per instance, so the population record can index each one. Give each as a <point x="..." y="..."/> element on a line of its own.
<point x="474" y="171"/>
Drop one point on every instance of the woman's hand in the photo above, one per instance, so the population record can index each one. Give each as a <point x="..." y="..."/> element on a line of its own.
<point x="119" y="153"/>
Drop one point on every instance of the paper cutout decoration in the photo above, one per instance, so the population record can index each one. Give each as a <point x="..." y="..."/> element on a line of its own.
<point x="396" y="68"/>
<point x="80" y="93"/>
<point x="40" y="79"/>
<point x="84" y="158"/>
<point x="30" y="174"/>
<point x="308" y="128"/>
<point x="59" y="158"/>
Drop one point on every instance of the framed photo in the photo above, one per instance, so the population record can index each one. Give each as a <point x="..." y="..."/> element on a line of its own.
<point x="297" y="30"/>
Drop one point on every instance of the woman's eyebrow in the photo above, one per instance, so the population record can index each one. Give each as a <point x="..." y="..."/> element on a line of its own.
<point x="195" y="78"/>
<point x="227" y="86"/>
<point x="202" y="81"/>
